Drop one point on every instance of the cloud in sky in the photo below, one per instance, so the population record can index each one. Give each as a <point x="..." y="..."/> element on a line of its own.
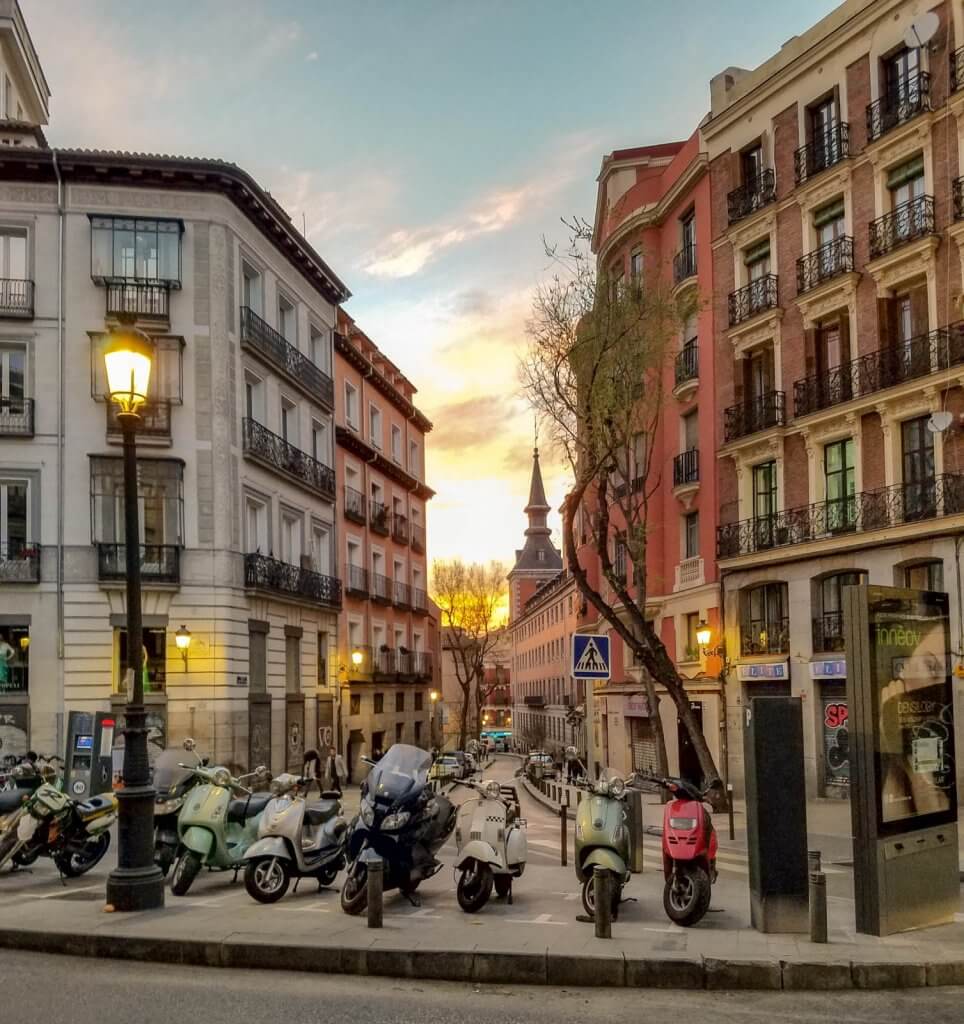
<point x="312" y="56"/>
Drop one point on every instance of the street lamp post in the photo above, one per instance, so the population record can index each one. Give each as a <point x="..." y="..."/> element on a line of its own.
<point x="433" y="697"/>
<point x="136" y="883"/>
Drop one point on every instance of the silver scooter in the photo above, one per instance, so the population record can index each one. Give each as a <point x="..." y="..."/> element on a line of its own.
<point x="295" y="839"/>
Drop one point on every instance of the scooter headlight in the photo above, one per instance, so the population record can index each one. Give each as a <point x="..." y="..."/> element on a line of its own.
<point x="683" y="824"/>
<point x="493" y="790"/>
<point x="393" y="822"/>
<point x="616" y="788"/>
<point x="367" y="814"/>
<point x="222" y="777"/>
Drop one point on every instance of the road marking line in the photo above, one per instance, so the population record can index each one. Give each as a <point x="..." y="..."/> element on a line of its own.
<point x="307" y="910"/>
<point x="60" y="893"/>
<point x="541" y="919"/>
<point x="424" y="914"/>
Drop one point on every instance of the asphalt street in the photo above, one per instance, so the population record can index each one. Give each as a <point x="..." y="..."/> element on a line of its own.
<point x="61" y="990"/>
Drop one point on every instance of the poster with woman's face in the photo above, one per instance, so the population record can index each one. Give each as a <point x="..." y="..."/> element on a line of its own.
<point x="915" y="742"/>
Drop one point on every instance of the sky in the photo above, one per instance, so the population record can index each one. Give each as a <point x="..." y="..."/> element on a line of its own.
<point x="427" y="148"/>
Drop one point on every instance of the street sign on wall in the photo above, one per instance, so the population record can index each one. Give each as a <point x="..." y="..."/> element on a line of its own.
<point x="590" y="656"/>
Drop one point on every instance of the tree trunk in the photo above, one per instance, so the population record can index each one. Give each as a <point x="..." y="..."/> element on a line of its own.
<point x="464" y="721"/>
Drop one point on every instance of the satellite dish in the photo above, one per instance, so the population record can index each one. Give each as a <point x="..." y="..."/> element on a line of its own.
<point x="922" y="30"/>
<point x="940" y="421"/>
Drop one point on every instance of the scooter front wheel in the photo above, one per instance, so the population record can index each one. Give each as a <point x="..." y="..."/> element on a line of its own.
<point x="185" y="871"/>
<point x="354" y="893"/>
<point x="267" y="879"/>
<point x="474" y="888"/>
<point x="686" y="895"/>
<point x="589" y="894"/>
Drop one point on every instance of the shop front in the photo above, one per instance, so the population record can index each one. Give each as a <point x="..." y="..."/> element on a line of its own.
<point x="833" y="736"/>
<point x="14" y="690"/>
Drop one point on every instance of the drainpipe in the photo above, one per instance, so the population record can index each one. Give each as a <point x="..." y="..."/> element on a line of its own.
<point x="62" y="384"/>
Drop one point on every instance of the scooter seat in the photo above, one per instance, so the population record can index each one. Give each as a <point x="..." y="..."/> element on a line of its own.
<point x="10" y="800"/>
<point x="239" y="811"/>
<point x="318" y="813"/>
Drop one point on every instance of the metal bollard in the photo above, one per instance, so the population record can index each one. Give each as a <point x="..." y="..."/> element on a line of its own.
<point x="375" y="888"/>
<point x="813" y="860"/>
<point x="729" y="807"/>
<point x="818" y="906"/>
<point x="563" y="837"/>
<point x="601" y="881"/>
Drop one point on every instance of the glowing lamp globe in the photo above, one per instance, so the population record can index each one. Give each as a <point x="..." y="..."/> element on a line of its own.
<point x="183" y="638"/>
<point x="356" y="658"/>
<point x="703" y="634"/>
<point x="433" y="696"/>
<point x="127" y="358"/>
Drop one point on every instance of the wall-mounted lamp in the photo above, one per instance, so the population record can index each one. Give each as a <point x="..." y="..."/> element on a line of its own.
<point x="183" y="640"/>
<point x="704" y="638"/>
<point x="357" y="657"/>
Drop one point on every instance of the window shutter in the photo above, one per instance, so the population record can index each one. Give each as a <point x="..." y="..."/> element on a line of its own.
<point x="918" y="311"/>
<point x="829" y="212"/>
<point x="845" y="355"/>
<point x="913" y="168"/>
<point x="758" y="251"/>
<point x="810" y="352"/>
<point x="887" y="323"/>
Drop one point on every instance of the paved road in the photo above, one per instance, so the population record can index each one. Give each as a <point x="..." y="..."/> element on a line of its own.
<point x="54" y="989"/>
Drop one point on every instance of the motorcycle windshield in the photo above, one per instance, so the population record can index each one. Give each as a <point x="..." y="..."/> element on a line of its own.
<point x="401" y="773"/>
<point x="168" y="776"/>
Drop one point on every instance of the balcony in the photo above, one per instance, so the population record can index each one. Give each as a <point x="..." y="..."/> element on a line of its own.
<point x="684" y="264"/>
<point x="686" y="468"/>
<point x="870" y="510"/>
<point x="959" y="199"/>
<point x="902" y="104"/>
<point x="885" y="368"/>
<point x="285" y="358"/>
<point x="687" y="366"/>
<point x="19" y="562"/>
<point x="154" y="425"/>
<point x="828" y="633"/>
<point x="16" y="298"/>
<point x="905" y="223"/>
<point x="269" y="574"/>
<point x="139" y="299"/>
<point x="957" y="69"/>
<point x="402" y="594"/>
<point x="418" y="538"/>
<point x="822" y="152"/>
<point x="356" y="584"/>
<point x="274" y="452"/>
<point x="752" y="195"/>
<point x="386" y="663"/>
<point x="762" y="413"/>
<point x="829" y="261"/>
<point x="380" y="588"/>
<point x="379" y="517"/>
<point x="689" y="573"/>
<point x="536" y="701"/>
<point x="419" y="601"/>
<point x="399" y="529"/>
<point x="770" y="637"/>
<point x="355" y="505"/>
<point x="753" y="298"/>
<point x="160" y="563"/>
<point x="421" y="664"/>
<point x="16" y="417"/>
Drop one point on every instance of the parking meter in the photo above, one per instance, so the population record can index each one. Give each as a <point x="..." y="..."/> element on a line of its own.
<point x="88" y="759"/>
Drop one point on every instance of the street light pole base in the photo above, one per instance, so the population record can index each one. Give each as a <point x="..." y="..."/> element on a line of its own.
<point x="136" y="888"/>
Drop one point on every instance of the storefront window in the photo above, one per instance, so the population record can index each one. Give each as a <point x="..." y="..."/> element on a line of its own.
<point x="155" y="660"/>
<point x="14" y="660"/>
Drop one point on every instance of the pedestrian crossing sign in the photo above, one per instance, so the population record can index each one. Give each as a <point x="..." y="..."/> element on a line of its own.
<point x="590" y="656"/>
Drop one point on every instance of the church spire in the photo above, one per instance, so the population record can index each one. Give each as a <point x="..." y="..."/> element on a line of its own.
<point x="537" y="492"/>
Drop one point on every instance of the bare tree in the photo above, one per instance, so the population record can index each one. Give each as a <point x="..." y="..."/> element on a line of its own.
<point x="469" y="597"/>
<point x="594" y="374"/>
<point x="534" y="734"/>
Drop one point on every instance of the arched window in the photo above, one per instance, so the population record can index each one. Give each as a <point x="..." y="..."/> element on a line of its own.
<point x="764" y="619"/>
<point x="927" y="574"/>
<point x="828" y="617"/>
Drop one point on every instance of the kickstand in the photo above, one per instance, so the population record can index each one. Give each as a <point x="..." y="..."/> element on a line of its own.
<point x="510" y="895"/>
<point x="295" y="889"/>
<point x="233" y="880"/>
<point x="413" y="898"/>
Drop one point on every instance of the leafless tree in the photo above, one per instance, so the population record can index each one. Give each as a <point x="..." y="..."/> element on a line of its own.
<point x="594" y="374"/>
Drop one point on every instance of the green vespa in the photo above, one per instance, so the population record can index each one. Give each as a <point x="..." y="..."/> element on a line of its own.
<point x="218" y="822"/>
<point x="602" y="838"/>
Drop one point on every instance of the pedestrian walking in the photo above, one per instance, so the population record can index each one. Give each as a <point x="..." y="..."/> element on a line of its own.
<point x="335" y="771"/>
<point x="311" y="770"/>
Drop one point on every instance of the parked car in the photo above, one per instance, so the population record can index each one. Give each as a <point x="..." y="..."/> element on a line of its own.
<point x="540" y="764"/>
<point x="447" y="768"/>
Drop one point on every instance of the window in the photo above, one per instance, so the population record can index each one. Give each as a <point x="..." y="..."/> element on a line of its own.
<point x="254" y="398"/>
<point x="418" y="725"/>
<point x="379" y="701"/>
<point x="256" y="526"/>
<point x="14" y="665"/>
<point x="751" y="164"/>
<point x="287" y="320"/>
<point x="900" y="77"/>
<point x="922" y="575"/>
<point x="414" y="466"/>
<point x="154" y="661"/>
<point x="399" y="700"/>
<point x="375" y="426"/>
<point x="15" y="524"/>
<point x="321" y="548"/>
<point x="691" y="535"/>
<point x="292" y="664"/>
<point x="396" y="444"/>
<point x="757" y="260"/>
<point x="320" y="348"/>
<point x="160" y="500"/>
<point x="418" y="707"/>
<point x="618" y="284"/>
<point x="917" y="446"/>
<point x="828" y="625"/>
<point x="829" y="224"/>
<point x="540" y="555"/>
<point x="765" y="625"/>
<point x="824" y="139"/>
<point x="354" y="704"/>
<point x="323" y="659"/>
<point x="289" y="422"/>
<point x="838" y="468"/>
<point x="691" y="650"/>
<point x="291" y="527"/>
<point x="13" y="254"/>
<point x="764" y="502"/>
<point x="759" y="376"/>
<point x="688" y="237"/>
<point x="690" y="430"/>
<point x="830" y="354"/>
<point x="636" y="267"/>
<point x="13" y="376"/>
<point x="399" y="731"/>
<point x="251" y="288"/>
<point x="906" y="183"/>
<point x="134" y="248"/>
<point x="319" y="441"/>
<point x="351" y="405"/>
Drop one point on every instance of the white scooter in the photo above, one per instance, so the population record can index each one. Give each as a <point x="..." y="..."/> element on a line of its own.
<point x="295" y="838"/>
<point x="491" y="841"/>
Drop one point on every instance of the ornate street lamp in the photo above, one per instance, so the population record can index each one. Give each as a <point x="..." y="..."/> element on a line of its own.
<point x="136" y="883"/>
<point x="182" y="638"/>
<point x="433" y="697"/>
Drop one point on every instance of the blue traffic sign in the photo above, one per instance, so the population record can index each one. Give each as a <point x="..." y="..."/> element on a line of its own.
<point x="590" y="656"/>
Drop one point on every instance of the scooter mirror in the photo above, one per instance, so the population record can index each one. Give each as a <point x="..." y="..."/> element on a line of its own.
<point x="189" y="744"/>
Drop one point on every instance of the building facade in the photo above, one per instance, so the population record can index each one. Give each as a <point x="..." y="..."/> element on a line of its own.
<point x="494" y="712"/>
<point x="837" y="261"/>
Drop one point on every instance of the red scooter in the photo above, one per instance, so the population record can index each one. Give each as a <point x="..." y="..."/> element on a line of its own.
<point x="689" y="853"/>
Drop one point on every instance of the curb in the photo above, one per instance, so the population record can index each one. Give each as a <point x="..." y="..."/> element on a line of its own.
<point x="614" y="970"/>
<point x="541" y="798"/>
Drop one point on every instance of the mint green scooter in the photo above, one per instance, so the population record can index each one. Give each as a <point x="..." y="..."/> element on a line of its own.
<point x="215" y="830"/>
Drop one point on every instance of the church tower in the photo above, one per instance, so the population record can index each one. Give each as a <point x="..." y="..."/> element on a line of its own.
<point x="537" y="561"/>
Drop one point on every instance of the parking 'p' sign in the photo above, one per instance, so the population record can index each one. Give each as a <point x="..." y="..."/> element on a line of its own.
<point x="590" y="656"/>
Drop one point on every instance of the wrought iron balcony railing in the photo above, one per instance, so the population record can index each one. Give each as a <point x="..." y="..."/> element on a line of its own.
<point x="402" y="594"/>
<point x="823" y="151"/>
<point x="768" y="410"/>
<point x="908" y="98"/>
<point x="418" y="538"/>
<point x="357" y="581"/>
<point x="16" y="298"/>
<point x="765" y="637"/>
<point x="380" y="588"/>
<point x="400" y="528"/>
<point x="422" y="664"/>
<point x="687" y="366"/>
<point x="354" y="505"/>
<point x="160" y="563"/>
<point x="19" y="562"/>
<point x="536" y="700"/>
<point x="686" y="468"/>
<point x="16" y="417"/>
<point x="830" y="260"/>
<point x="155" y="420"/>
<point x="828" y="632"/>
<point x="918" y="357"/>
<point x="140" y="299"/>
<point x="276" y="453"/>
<point x="379" y="517"/>
<point x="957" y="69"/>
<point x="870" y="510"/>
<point x="959" y="199"/>
<point x="419" y="602"/>
<point x="386" y="662"/>
<point x="752" y="195"/>
<point x="905" y="223"/>
<point x="264" y="573"/>
<point x="684" y="264"/>
<point x="296" y="366"/>
<point x="756" y="297"/>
